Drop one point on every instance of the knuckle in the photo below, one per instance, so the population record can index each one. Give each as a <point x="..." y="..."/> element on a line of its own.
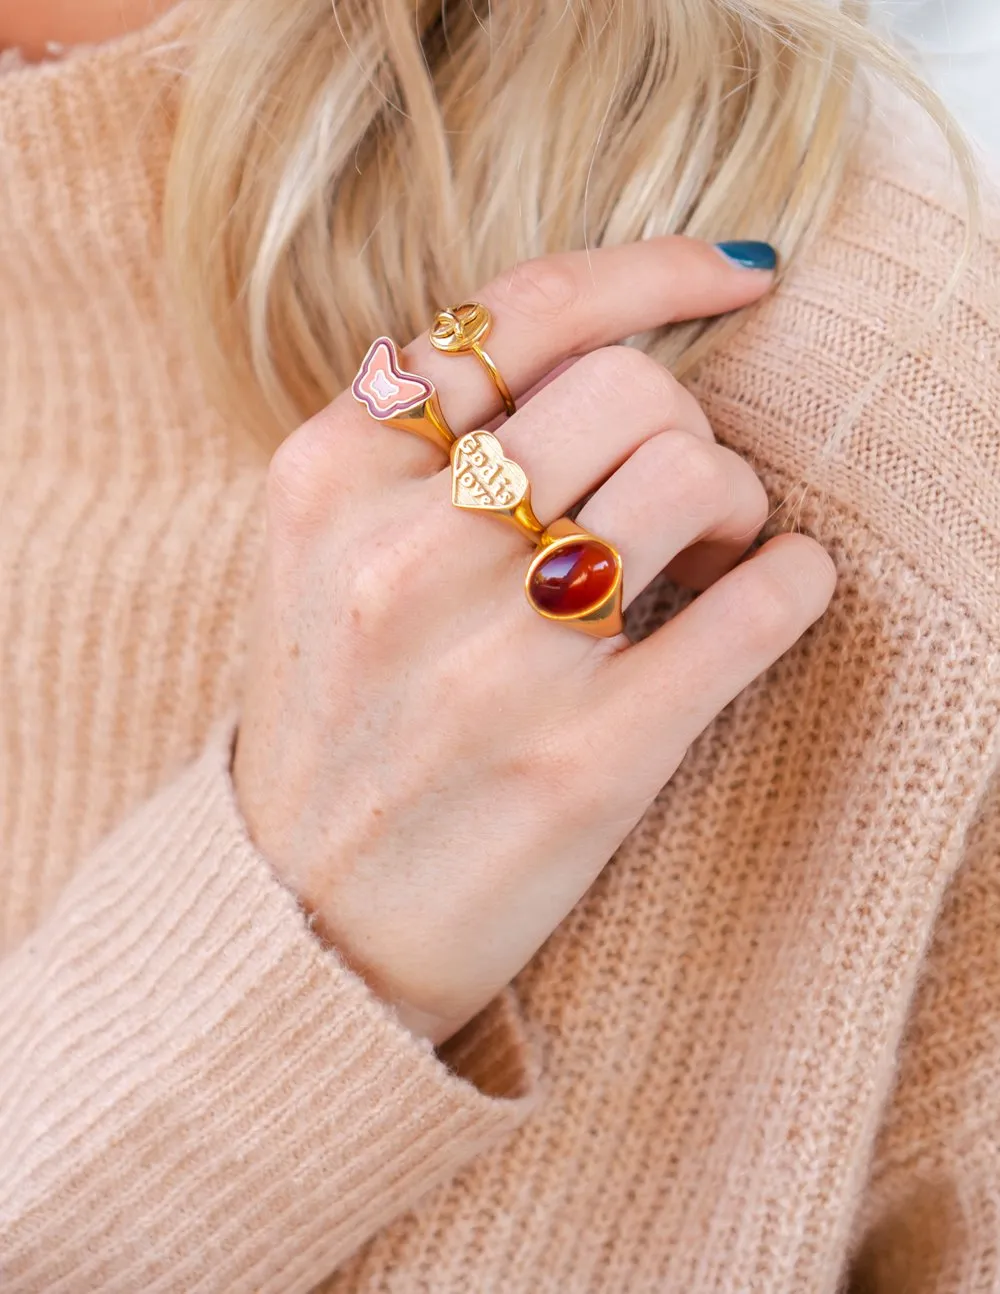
<point x="703" y="469"/>
<point x="552" y="766"/>
<point x="296" y="485"/>
<point x="383" y="578"/>
<point x="286" y="479"/>
<point x="450" y="682"/>
<point x="699" y="470"/>
<point x="767" y="607"/>
<point x="622" y="372"/>
<point x="369" y="595"/>
<point x="760" y="506"/>
<point x="545" y="287"/>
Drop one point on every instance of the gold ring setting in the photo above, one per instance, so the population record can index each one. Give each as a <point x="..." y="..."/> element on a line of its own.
<point x="484" y="480"/>
<point x="400" y="399"/>
<point x="574" y="578"/>
<point x="462" y="331"/>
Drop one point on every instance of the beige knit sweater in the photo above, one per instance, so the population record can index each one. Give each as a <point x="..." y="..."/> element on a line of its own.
<point x="762" y="1055"/>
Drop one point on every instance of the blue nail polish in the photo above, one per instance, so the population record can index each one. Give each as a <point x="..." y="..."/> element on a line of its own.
<point x="750" y="256"/>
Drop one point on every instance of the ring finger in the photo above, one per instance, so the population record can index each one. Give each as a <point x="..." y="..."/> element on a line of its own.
<point x="587" y="422"/>
<point x="680" y="504"/>
<point x="675" y="493"/>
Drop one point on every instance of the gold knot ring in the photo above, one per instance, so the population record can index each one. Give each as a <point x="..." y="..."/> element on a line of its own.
<point x="461" y="331"/>
<point x="574" y="578"/>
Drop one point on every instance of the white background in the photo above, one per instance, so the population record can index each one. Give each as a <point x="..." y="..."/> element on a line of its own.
<point x="957" y="45"/>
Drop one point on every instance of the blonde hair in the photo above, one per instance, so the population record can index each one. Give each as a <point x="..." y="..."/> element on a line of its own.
<point x="343" y="170"/>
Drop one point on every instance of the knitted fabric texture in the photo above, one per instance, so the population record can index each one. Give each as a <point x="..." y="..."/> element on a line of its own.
<point x="763" y="1054"/>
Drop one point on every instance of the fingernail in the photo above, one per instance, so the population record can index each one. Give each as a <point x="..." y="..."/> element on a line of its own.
<point x="750" y="256"/>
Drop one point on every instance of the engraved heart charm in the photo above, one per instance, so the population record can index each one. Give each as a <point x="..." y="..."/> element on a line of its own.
<point x="482" y="478"/>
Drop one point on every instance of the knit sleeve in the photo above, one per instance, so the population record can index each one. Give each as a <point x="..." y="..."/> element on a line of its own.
<point x="195" y="1094"/>
<point x="932" y="1215"/>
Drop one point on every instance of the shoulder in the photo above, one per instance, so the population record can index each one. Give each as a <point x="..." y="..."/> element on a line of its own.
<point x="872" y="377"/>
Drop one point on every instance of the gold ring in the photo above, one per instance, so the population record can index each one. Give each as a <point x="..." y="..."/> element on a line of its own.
<point x="574" y="578"/>
<point x="461" y="331"/>
<point x="483" y="480"/>
<point x="400" y="399"/>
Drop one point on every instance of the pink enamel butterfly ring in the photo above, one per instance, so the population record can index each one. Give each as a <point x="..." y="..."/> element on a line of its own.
<point x="400" y="399"/>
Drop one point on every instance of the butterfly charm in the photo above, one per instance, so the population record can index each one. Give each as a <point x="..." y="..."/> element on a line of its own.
<point x="385" y="389"/>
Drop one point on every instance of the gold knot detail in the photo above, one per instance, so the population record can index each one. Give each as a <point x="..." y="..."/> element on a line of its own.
<point x="461" y="328"/>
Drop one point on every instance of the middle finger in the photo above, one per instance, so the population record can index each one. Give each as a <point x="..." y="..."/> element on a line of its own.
<point x="581" y="427"/>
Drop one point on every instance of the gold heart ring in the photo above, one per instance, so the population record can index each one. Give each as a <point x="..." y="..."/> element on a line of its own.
<point x="461" y="331"/>
<point x="483" y="480"/>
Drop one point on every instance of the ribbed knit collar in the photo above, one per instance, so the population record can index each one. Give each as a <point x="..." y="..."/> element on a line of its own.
<point x="16" y="73"/>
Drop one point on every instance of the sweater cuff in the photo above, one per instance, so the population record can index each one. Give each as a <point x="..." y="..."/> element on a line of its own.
<point x="226" y="1087"/>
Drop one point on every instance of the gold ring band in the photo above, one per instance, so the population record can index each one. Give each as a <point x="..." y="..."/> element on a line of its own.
<point x="461" y="331"/>
<point x="400" y="399"/>
<point x="574" y="577"/>
<point x="502" y="388"/>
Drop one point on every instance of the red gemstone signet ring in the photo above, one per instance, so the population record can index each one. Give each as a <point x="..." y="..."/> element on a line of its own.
<point x="576" y="579"/>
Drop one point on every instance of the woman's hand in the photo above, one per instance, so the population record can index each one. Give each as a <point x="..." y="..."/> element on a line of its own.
<point x="438" y="772"/>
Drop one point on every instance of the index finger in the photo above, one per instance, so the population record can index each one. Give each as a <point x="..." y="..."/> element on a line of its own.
<point x="548" y="310"/>
<point x="552" y="309"/>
